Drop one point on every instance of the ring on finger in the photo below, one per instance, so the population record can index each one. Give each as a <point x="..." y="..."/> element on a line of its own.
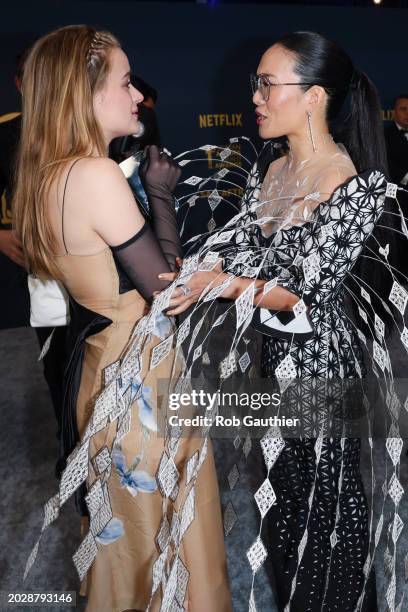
<point x="185" y="290"/>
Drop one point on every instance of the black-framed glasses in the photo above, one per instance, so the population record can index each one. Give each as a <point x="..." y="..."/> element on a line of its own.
<point x="261" y="83"/>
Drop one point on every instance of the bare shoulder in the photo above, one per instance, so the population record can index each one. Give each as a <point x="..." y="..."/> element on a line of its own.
<point x="96" y="181"/>
<point x="95" y="172"/>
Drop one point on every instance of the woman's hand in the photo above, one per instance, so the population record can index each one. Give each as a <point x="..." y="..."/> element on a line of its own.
<point x="158" y="172"/>
<point x="10" y="245"/>
<point x="186" y="295"/>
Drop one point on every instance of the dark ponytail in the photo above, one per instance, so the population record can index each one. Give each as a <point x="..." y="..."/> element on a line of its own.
<point x="353" y="109"/>
<point x="354" y="116"/>
<point x="363" y="129"/>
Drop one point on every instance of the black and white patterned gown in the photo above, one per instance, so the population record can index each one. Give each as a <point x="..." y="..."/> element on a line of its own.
<point x="320" y="500"/>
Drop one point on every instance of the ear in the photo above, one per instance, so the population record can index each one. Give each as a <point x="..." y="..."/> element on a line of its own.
<point x="316" y="97"/>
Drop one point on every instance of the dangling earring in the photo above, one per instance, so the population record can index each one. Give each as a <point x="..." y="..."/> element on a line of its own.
<point x="309" y="121"/>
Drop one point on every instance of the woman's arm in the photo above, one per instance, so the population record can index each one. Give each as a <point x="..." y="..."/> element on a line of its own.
<point x="115" y="217"/>
<point x="277" y="298"/>
<point x="160" y="174"/>
<point x="336" y="238"/>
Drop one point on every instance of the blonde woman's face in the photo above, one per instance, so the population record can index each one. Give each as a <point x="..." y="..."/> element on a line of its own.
<point x="115" y="105"/>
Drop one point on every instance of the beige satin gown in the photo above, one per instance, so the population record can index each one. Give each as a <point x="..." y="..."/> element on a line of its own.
<point x="121" y="575"/>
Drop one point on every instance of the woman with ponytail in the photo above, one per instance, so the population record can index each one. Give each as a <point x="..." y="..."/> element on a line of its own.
<point x="307" y="224"/>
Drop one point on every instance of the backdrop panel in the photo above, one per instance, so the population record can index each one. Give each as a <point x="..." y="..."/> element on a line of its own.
<point x="199" y="57"/>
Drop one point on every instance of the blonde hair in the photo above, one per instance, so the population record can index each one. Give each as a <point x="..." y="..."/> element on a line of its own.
<point x="63" y="71"/>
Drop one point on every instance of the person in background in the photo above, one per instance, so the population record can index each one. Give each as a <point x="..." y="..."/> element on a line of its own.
<point x="396" y="136"/>
<point x="127" y="151"/>
<point x="15" y="299"/>
<point x="147" y="113"/>
<point x="148" y="133"/>
<point x="43" y="305"/>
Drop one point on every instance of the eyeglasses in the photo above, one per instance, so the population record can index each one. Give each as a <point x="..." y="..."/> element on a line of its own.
<point x="261" y="83"/>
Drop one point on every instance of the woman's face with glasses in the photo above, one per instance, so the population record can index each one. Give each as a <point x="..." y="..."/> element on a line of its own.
<point x="281" y="104"/>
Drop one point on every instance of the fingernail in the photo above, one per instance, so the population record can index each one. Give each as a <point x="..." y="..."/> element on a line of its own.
<point x="160" y="276"/>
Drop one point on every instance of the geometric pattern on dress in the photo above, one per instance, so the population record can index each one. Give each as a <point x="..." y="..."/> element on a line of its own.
<point x="391" y="191"/>
<point x="167" y="476"/>
<point x="228" y="366"/>
<point x="395" y="489"/>
<point x="244" y="361"/>
<point x="170" y="588"/>
<point x="85" y="555"/>
<point x="397" y="527"/>
<point x="404" y="337"/>
<point x="256" y="554"/>
<point x="210" y="261"/>
<point x="244" y="304"/>
<point x="175" y="529"/>
<point x="187" y="512"/>
<point x="265" y="497"/>
<point x="246" y="447"/>
<point x="299" y="308"/>
<point x="183" y="331"/>
<point x="110" y="371"/>
<point x="390" y="594"/>
<point x="191" y="467"/>
<point x="105" y="403"/>
<point x="233" y="476"/>
<point x="311" y="266"/>
<point x="398" y="297"/>
<point x="158" y="570"/>
<point x="214" y="199"/>
<point x="183" y="576"/>
<point x="237" y="442"/>
<point x="160" y="352"/>
<point x="102" y="460"/>
<point x="95" y="497"/>
<point x="230" y="518"/>
<point x="272" y="444"/>
<point x="101" y="518"/>
<point x="285" y="372"/>
<point x="75" y="473"/>
<point x="163" y="535"/>
<point x="394" y="447"/>
<point x="252" y="605"/>
<point x="51" y="511"/>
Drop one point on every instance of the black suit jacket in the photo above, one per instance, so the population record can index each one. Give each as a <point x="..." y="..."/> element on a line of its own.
<point x="397" y="150"/>
<point x="14" y="296"/>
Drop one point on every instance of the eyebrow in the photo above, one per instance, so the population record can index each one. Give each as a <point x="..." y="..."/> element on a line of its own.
<point x="266" y="74"/>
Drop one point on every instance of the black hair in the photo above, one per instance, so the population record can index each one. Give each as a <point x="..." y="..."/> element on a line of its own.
<point x="147" y="90"/>
<point x="353" y="109"/>
<point x="400" y="97"/>
<point x="354" y="116"/>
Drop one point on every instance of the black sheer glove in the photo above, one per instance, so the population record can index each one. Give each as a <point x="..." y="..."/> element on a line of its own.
<point x="142" y="260"/>
<point x="159" y="175"/>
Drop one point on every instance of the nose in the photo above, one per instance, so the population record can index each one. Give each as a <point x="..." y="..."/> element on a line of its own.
<point x="257" y="98"/>
<point x="137" y="96"/>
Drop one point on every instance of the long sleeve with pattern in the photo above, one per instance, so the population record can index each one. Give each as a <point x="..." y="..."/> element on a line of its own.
<point x="330" y="244"/>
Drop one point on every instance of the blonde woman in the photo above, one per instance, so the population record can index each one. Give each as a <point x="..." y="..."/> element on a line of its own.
<point x="79" y="223"/>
